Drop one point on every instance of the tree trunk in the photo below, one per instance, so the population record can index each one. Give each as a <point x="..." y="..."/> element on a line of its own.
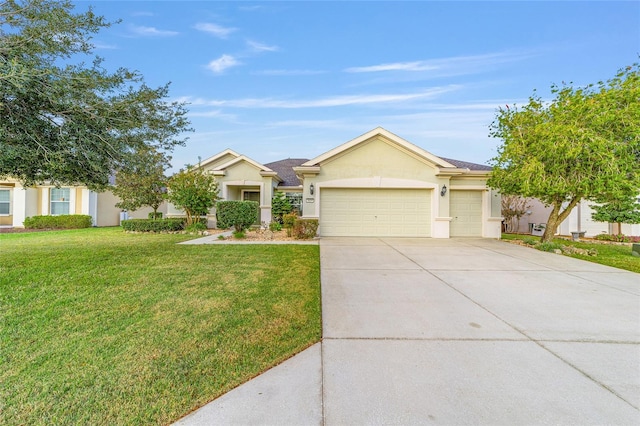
<point x="556" y="217"/>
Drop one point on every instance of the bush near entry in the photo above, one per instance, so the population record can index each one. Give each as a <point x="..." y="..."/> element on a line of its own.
<point x="237" y="214"/>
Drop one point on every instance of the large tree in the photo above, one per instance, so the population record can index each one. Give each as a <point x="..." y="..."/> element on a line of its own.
<point x="142" y="182"/>
<point x="583" y="144"/>
<point x="65" y="121"/>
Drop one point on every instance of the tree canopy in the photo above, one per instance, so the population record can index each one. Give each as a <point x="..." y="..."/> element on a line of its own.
<point x="65" y="121"/>
<point x="193" y="190"/>
<point x="583" y="144"/>
<point x="143" y="182"/>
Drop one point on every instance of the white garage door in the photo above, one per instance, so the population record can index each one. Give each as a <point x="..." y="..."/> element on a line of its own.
<point x="375" y="212"/>
<point x="466" y="213"/>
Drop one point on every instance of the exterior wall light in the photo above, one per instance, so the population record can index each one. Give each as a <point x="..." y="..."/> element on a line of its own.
<point x="311" y="189"/>
<point x="443" y="191"/>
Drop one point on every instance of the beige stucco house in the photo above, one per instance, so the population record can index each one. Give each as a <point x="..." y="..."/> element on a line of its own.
<point x="377" y="184"/>
<point x="18" y="202"/>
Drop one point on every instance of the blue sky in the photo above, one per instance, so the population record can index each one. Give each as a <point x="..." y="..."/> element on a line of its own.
<point x="274" y="80"/>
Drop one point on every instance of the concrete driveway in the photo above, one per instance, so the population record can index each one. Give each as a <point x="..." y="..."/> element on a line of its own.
<point x="460" y="331"/>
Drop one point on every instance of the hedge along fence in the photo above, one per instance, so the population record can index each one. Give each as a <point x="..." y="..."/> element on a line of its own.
<point x="63" y="221"/>
<point x="237" y="214"/>
<point x="174" y="224"/>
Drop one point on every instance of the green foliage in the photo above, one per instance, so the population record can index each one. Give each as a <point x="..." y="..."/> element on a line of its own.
<point x="620" y="238"/>
<point x="583" y="144"/>
<point x="305" y="229"/>
<point x="275" y="226"/>
<point x="621" y="210"/>
<point x="288" y="221"/>
<point x="63" y="221"/>
<point x="549" y="246"/>
<point x="196" y="227"/>
<point x="239" y="235"/>
<point x="154" y="225"/>
<point x="237" y="214"/>
<point x="193" y="190"/>
<point x="142" y="182"/>
<point x="530" y="241"/>
<point x="66" y="118"/>
<point x="280" y="206"/>
<point x="155" y="215"/>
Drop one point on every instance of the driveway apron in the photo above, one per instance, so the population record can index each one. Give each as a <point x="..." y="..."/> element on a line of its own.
<point x="459" y="331"/>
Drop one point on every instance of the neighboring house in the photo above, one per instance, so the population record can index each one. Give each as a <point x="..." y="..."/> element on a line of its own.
<point x="579" y="220"/>
<point x="18" y="202"/>
<point x="375" y="185"/>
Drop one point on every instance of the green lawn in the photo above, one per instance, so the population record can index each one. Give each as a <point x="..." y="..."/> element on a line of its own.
<point x="618" y="256"/>
<point x="100" y="327"/>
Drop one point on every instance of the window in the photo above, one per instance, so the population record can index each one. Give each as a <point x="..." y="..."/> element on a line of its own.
<point x="295" y="199"/>
<point x="60" y="201"/>
<point x="5" y="201"/>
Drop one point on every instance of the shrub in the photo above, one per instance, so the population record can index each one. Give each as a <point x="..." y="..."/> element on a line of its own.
<point x="603" y="237"/>
<point x="154" y="225"/>
<point x="155" y="215"/>
<point x="279" y="206"/>
<point x="530" y="241"/>
<point x="238" y="235"/>
<point x="287" y="222"/>
<point x="549" y="246"/>
<point x="196" y="227"/>
<point x="275" y="226"/>
<point x="237" y="214"/>
<point x="64" y="221"/>
<point x="305" y="229"/>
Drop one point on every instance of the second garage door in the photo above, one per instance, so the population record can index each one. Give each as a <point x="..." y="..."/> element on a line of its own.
<point x="466" y="213"/>
<point x="375" y="212"/>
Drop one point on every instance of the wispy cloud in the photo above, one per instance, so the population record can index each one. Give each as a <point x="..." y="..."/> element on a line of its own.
<point x="223" y="63"/>
<point x="152" y="32"/>
<point x="455" y="65"/>
<point x="142" y="13"/>
<point x="261" y="47"/>
<point x="289" y="72"/>
<point x="104" y="46"/>
<point x="334" y="101"/>
<point x="215" y="29"/>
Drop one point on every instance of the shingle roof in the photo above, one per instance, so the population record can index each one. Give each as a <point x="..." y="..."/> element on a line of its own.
<point x="467" y="165"/>
<point x="284" y="168"/>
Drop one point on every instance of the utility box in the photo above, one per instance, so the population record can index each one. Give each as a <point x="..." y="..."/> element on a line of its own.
<point x="635" y="250"/>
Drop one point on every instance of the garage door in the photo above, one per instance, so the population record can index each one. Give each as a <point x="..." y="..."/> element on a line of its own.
<point x="375" y="212"/>
<point x="466" y="213"/>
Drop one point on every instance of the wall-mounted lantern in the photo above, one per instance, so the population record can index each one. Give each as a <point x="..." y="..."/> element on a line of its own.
<point x="311" y="189"/>
<point x="443" y="191"/>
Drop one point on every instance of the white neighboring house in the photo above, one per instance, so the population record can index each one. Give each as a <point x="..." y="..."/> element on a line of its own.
<point x="579" y="220"/>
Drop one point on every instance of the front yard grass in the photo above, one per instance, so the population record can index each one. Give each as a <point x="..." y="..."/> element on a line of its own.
<point x="618" y="256"/>
<point x="100" y="327"/>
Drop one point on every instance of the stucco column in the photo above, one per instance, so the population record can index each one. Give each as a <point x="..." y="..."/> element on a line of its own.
<point x="19" y="206"/>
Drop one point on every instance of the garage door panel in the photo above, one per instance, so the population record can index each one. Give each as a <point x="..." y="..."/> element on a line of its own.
<point x="466" y="213"/>
<point x="375" y="212"/>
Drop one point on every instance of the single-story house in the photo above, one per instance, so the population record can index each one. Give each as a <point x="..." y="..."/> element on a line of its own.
<point x="377" y="184"/>
<point x="18" y="202"/>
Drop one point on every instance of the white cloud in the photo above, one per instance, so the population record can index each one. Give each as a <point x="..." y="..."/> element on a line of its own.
<point x="152" y="31"/>
<point x="223" y="63"/>
<point x="334" y="101"/>
<point x="455" y="65"/>
<point x="260" y="47"/>
<point x="216" y="30"/>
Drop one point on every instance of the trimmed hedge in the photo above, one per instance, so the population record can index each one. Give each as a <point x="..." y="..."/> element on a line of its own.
<point x="305" y="229"/>
<point x="172" y="224"/>
<point x="63" y="221"/>
<point x="154" y="225"/>
<point x="237" y="214"/>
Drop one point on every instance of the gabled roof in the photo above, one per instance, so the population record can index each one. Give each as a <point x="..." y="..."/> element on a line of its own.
<point x="466" y="165"/>
<point x="236" y="160"/>
<point x="379" y="131"/>
<point x="284" y="168"/>
<point x="218" y="156"/>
